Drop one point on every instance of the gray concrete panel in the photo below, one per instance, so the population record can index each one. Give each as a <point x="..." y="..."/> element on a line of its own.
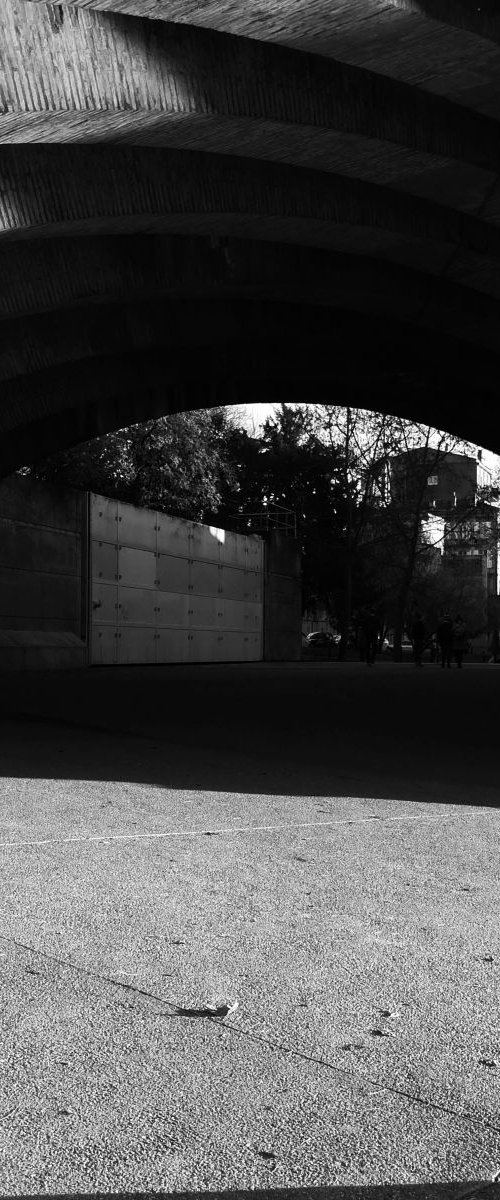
<point x="36" y="548"/>
<point x="32" y="594"/>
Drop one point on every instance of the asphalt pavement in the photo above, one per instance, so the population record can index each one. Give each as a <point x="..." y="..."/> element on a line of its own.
<point x="249" y="932"/>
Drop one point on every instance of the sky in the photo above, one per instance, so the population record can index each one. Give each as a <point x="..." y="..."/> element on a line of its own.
<point x="254" y="415"/>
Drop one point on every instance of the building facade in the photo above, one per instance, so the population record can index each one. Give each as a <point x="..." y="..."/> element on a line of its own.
<point x="459" y="516"/>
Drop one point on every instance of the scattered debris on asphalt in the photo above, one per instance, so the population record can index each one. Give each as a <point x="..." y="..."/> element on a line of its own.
<point x="220" y="1011"/>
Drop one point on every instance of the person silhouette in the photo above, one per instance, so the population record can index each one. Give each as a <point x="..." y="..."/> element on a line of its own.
<point x="418" y="638"/>
<point x="459" y="639"/>
<point x="445" y="638"/>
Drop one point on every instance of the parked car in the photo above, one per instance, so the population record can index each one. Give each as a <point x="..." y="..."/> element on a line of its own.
<point x="406" y="646"/>
<point x="320" y="638"/>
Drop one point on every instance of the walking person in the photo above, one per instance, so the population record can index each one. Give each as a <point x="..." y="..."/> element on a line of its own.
<point x="445" y="638"/>
<point x="418" y="638"/>
<point x="459" y="639"/>
<point x="370" y="630"/>
<point x="495" y="647"/>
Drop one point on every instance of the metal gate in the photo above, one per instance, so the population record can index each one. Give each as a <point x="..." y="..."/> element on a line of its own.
<point x="168" y="590"/>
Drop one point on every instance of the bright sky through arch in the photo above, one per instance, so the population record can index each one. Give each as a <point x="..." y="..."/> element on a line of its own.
<point x="253" y="416"/>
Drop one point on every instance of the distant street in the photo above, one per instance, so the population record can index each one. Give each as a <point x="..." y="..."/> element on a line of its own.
<point x="315" y="844"/>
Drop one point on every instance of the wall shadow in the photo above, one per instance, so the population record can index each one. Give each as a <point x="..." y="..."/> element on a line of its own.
<point x="285" y="729"/>
<point x="479" y="1189"/>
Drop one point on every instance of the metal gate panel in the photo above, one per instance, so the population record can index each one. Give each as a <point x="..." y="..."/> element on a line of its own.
<point x="239" y="614"/>
<point x="233" y="549"/>
<point x="137" y="527"/>
<point x="205" y="578"/>
<point x="242" y="647"/>
<point x="137" y="605"/>
<point x="105" y="561"/>
<point x="173" y="645"/>
<point x="234" y="647"/>
<point x="173" y="535"/>
<point x="105" y="603"/>
<point x="104" y="519"/>
<point x="255" y="560"/>
<point x="173" y="574"/>
<point x="136" y="644"/>
<point x="172" y="609"/>
<point x="254" y="647"/>
<point x="206" y="645"/>
<point x="203" y="612"/>
<point x="202" y="603"/>
<point x="104" y="645"/>
<point x="205" y="543"/>
<point x="136" y="568"/>
<point x="241" y="585"/>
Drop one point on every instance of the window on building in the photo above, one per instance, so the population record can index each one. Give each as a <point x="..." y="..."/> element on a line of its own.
<point x="432" y="480"/>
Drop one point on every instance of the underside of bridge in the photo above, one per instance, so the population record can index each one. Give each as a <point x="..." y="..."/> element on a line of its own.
<point x="209" y="202"/>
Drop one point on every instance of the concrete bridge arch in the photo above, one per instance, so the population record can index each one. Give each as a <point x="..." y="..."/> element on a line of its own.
<point x="217" y="204"/>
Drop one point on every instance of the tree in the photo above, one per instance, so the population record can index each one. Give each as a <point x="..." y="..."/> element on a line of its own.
<point x="417" y="454"/>
<point x="289" y="466"/>
<point x="452" y="588"/>
<point x="360" y="439"/>
<point x="178" y="464"/>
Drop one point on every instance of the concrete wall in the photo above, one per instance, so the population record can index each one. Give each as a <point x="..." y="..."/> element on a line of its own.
<point x="43" y="601"/>
<point x="44" y="585"/>
<point x="166" y="589"/>
<point x="282" y="600"/>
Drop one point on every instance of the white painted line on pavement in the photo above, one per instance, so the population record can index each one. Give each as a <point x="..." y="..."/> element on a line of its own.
<point x="171" y="833"/>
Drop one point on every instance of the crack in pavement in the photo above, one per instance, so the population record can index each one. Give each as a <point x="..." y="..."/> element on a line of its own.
<point x="219" y="1020"/>
<point x="171" y="833"/>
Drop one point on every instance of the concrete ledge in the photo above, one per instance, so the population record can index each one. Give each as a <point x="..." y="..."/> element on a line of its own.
<point x="33" y="649"/>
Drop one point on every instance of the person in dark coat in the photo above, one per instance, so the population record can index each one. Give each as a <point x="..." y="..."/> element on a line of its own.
<point x="459" y="639"/>
<point x="417" y="635"/>
<point x="445" y="638"/>
<point x="370" y="631"/>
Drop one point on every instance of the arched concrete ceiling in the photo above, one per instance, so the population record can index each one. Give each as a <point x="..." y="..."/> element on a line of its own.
<point x="225" y="202"/>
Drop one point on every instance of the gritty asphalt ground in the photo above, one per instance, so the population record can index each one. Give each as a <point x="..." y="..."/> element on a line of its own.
<point x="316" y="842"/>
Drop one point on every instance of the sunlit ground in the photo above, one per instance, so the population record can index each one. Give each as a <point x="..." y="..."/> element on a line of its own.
<point x="229" y="849"/>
